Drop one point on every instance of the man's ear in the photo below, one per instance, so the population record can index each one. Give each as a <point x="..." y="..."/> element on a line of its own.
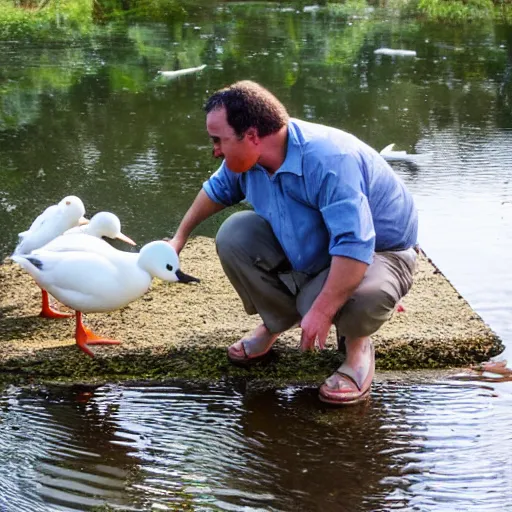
<point x="252" y="135"/>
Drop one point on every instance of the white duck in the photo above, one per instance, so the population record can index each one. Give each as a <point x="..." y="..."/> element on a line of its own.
<point x="102" y="224"/>
<point x="54" y="221"/>
<point x="90" y="276"/>
<point x="67" y="217"/>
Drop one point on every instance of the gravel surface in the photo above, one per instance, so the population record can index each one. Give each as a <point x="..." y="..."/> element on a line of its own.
<point x="191" y="323"/>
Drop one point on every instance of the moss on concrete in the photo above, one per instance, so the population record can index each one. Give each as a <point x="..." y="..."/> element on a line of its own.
<point x="181" y="332"/>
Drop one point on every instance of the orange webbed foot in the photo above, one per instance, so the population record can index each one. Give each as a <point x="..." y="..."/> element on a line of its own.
<point x="48" y="312"/>
<point x="52" y="313"/>
<point x="85" y="337"/>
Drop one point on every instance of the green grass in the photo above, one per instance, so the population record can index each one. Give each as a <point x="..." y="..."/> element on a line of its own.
<point x="457" y="10"/>
<point x="55" y="20"/>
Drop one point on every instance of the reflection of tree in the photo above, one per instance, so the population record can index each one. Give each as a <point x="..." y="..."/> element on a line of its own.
<point x="395" y="99"/>
<point x="92" y="118"/>
<point x="111" y="126"/>
<point x="504" y="100"/>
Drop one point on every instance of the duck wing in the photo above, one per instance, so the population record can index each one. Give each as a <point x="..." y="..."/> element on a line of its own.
<point x="40" y="220"/>
<point x="80" y="242"/>
<point x="44" y="228"/>
<point x="87" y="282"/>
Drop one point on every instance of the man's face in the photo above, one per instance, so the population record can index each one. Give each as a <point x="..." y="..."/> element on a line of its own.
<point x="240" y="154"/>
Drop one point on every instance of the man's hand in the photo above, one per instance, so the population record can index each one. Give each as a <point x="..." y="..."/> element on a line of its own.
<point x="345" y="275"/>
<point x="202" y="208"/>
<point x="176" y="243"/>
<point x="315" y="327"/>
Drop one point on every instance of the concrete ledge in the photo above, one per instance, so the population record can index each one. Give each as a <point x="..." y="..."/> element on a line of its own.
<point x="179" y="331"/>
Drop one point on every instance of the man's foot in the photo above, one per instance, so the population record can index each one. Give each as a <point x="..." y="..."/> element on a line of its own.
<point x="253" y="347"/>
<point x="350" y="384"/>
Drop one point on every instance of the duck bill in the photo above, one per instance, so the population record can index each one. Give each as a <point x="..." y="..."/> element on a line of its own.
<point x="126" y="239"/>
<point x="185" y="278"/>
<point x="82" y="221"/>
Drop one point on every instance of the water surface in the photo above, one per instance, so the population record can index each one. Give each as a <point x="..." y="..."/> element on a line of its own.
<point x="186" y="448"/>
<point x="92" y="118"/>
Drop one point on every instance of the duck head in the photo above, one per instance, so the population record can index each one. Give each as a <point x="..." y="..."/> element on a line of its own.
<point x="107" y="224"/>
<point x="159" y="259"/>
<point x="73" y="208"/>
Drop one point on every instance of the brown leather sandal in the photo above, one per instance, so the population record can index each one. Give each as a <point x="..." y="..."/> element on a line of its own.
<point x="332" y="392"/>
<point x="244" y="356"/>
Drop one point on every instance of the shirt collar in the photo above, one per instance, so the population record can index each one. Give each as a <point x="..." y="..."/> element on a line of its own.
<point x="293" y="161"/>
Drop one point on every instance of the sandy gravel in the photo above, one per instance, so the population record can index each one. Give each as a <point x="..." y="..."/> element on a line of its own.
<point x="183" y="322"/>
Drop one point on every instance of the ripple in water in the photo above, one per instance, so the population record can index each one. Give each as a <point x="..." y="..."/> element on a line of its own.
<point x="415" y="446"/>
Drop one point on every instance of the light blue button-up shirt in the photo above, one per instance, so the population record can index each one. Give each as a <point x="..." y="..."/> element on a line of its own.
<point x="332" y="196"/>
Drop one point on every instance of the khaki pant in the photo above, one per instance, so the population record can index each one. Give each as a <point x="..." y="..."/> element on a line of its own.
<point x="257" y="267"/>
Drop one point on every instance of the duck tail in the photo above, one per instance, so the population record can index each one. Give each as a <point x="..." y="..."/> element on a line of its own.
<point x="28" y="262"/>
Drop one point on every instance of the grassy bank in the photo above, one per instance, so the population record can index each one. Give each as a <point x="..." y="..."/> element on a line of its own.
<point x="57" y="19"/>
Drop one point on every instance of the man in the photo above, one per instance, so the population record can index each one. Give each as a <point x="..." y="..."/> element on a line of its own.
<point x="330" y="240"/>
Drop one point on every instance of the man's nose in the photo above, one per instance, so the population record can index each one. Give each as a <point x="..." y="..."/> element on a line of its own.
<point x="217" y="153"/>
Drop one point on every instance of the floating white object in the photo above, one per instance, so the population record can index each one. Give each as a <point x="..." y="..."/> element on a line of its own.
<point x="180" y="72"/>
<point x="388" y="154"/>
<point x="395" y="53"/>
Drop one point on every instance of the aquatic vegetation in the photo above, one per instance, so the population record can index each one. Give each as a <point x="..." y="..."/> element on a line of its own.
<point x="456" y="10"/>
<point x="47" y="19"/>
<point x="64" y="19"/>
<point x="284" y="367"/>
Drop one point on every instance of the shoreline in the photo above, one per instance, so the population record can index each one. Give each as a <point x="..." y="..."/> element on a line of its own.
<point x="182" y="331"/>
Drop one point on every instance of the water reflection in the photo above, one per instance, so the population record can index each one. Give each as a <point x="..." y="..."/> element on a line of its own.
<point x="417" y="445"/>
<point x="464" y="201"/>
<point x="454" y="461"/>
<point x="61" y="452"/>
<point x="98" y="120"/>
<point x="89" y="118"/>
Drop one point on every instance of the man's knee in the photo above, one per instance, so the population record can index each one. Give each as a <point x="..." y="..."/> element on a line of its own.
<point x="248" y="237"/>
<point x="237" y="230"/>
<point x="387" y="280"/>
<point x="364" y="313"/>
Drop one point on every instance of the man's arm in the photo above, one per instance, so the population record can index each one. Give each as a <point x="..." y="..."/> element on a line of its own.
<point x="202" y="208"/>
<point x="344" y="277"/>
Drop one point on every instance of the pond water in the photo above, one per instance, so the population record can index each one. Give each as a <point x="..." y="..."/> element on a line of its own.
<point x="182" y="448"/>
<point x="92" y="117"/>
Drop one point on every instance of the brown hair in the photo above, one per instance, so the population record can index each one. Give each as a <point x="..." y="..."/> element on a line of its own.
<point x="247" y="105"/>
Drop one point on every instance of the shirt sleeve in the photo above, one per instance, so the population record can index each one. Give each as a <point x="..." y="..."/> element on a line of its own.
<point x="345" y="208"/>
<point x="224" y="187"/>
